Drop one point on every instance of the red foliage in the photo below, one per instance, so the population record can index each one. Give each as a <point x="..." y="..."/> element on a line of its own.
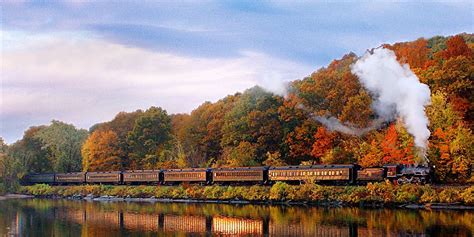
<point x="456" y="46"/>
<point x="414" y="53"/>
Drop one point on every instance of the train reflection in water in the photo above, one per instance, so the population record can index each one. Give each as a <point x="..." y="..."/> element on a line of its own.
<point x="77" y="218"/>
<point x="218" y="225"/>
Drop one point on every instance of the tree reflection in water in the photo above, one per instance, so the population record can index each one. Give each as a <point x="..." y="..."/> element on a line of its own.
<point x="41" y="217"/>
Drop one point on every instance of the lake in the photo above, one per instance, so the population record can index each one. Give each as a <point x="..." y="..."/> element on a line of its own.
<point x="44" y="217"/>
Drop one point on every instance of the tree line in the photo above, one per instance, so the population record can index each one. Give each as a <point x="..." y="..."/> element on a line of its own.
<point x="256" y="127"/>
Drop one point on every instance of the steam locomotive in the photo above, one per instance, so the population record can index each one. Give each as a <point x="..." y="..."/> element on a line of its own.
<point x="322" y="174"/>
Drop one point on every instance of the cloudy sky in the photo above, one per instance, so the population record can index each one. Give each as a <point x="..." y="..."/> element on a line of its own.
<point x="82" y="62"/>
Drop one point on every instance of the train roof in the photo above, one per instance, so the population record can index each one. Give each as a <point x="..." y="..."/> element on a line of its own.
<point x="241" y="168"/>
<point x="104" y="172"/>
<point x="297" y="167"/>
<point x="186" y="169"/>
<point x="139" y="171"/>
<point x="71" y="173"/>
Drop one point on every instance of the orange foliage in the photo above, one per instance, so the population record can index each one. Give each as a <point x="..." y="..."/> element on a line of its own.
<point x="101" y="152"/>
<point x="414" y="53"/>
<point x="299" y="141"/>
<point x="374" y="157"/>
<point x="323" y="142"/>
<point x="456" y="46"/>
<point x="392" y="149"/>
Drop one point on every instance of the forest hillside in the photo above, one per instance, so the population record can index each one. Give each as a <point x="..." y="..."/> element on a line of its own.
<point x="257" y="127"/>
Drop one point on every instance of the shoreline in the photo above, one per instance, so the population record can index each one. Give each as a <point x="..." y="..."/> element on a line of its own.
<point x="15" y="196"/>
<point x="334" y="204"/>
<point x="379" y="195"/>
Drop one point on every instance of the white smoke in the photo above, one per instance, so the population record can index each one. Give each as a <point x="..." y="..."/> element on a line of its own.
<point x="334" y="124"/>
<point x="397" y="92"/>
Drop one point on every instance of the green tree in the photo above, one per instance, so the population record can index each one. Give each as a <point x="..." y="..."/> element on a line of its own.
<point x="64" y="143"/>
<point x="149" y="137"/>
<point x="254" y="119"/>
<point x="30" y="153"/>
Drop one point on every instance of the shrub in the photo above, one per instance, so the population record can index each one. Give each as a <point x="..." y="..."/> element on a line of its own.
<point x="2" y="188"/>
<point x="279" y="191"/>
<point x="213" y="192"/>
<point x="118" y="191"/>
<point x="40" y="190"/>
<point x="468" y="196"/>
<point x="408" y="193"/>
<point x="195" y="192"/>
<point x="162" y="192"/>
<point x="70" y="191"/>
<point x="429" y="195"/>
<point x="231" y="193"/>
<point x="355" y="194"/>
<point x="178" y="192"/>
<point x="449" y="195"/>
<point x="381" y="192"/>
<point x="377" y="192"/>
<point x="254" y="193"/>
<point x="317" y="192"/>
<point x="92" y="189"/>
<point x="404" y="196"/>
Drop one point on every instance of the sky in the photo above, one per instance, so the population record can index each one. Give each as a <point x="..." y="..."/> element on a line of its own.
<point x="83" y="62"/>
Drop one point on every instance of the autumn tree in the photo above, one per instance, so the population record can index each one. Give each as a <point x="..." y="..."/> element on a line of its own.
<point x="357" y="110"/>
<point x="298" y="130"/>
<point x="323" y="142"/>
<point x="274" y="159"/>
<point x="452" y="73"/>
<point x="121" y="125"/>
<point x="413" y="53"/>
<point x="451" y="146"/>
<point x="100" y="152"/>
<point x="456" y="46"/>
<point x="370" y="154"/>
<point x="241" y="155"/>
<point x="393" y="152"/>
<point x="203" y="137"/>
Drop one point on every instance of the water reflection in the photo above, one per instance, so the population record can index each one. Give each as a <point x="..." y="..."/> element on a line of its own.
<point x="79" y="218"/>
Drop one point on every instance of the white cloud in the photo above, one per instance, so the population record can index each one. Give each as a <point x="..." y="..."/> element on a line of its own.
<point x="88" y="80"/>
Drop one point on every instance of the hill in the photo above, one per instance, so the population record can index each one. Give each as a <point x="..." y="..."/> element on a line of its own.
<point x="257" y="127"/>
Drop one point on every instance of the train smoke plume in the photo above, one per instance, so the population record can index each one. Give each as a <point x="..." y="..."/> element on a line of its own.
<point x="396" y="92"/>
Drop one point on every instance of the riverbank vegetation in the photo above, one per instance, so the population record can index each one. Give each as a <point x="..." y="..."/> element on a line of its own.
<point x="377" y="193"/>
<point x="260" y="128"/>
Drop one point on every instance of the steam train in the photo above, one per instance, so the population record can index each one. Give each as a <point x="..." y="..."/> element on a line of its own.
<point x="322" y="174"/>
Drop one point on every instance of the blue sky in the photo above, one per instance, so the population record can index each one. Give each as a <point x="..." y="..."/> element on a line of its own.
<point x="83" y="62"/>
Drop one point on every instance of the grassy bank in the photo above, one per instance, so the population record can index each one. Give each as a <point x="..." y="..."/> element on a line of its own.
<point x="378" y="193"/>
